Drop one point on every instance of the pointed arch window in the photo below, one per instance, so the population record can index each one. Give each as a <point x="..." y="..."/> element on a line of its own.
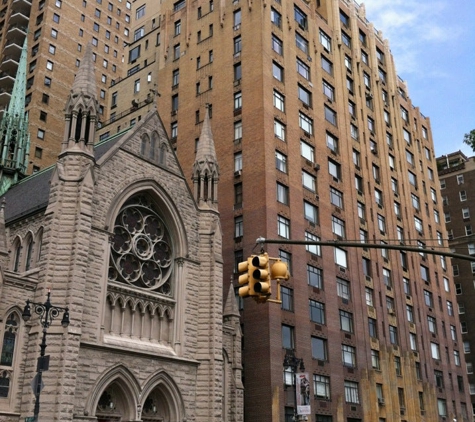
<point x="143" y="145"/>
<point x="153" y="146"/>
<point x="29" y="253"/>
<point x="16" y="259"/>
<point x="4" y="383"/>
<point x="9" y="339"/>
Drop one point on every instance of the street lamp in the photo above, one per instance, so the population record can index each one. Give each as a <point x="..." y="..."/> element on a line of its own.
<point x="47" y="313"/>
<point x="293" y="362"/>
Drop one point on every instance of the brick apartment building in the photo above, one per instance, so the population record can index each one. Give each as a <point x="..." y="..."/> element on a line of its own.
<point x="317" y="138"/>
<point x="457" y="177"/>
<point x="58" y="32"/>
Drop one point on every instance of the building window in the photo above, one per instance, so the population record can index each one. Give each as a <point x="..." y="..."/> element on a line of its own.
<point x="313" y="249"/>
<point x="332" y="143"/>
<point x="343" y="288"/>
<point x="346" y="39"/>
<point x="12" y="325"/>
<point x="140" y="12"/>
<point x="237" y="100"/>
<point x="375" y="361"/>
<point x="327" y="65"/>
<point x="435" y="351"/>
<point x="281" y="162"/>
<point x="330" y="115"/>
<point x="310" y="213"/>
<point x="282" y="194"/>
<point x="308" y="181"/>
<point x="303" y="69"/>
<point x="238" y="130"/>
<point x="276" y="18"/>
<point x="278" y="72"/>
<point x="177" y="28"/>
<point x="317" y="311"/>
<point x="326" y="42"/>
<point x="279" y="130"/>
<point x="237" y="45"/>
<point x="238" y="227"/>
<point x="457" y="358"/>
<point x="305" y="123"/>
<point x="237" y="19"/>
<point x="300" y="17"/>
<point x="301" y="43"/>
<point x="328" y="90"/>
<point x="137" y="89"/>
<point x="307" y="151"/>
<point x="315" y="276"/>
<point x="393" y="336"/>
<point x="351" y="392"/>
<point x="346" y="321"/>
<point x="283" y="227"/>
<point x="287" y="337"/>
<point x="238" y="194"/>
<point x="336" y="197"/>
<point x="450" y="308"/>
<point x="338" y="227"/>
<point x="305" y="96"/>
<point x="287" y="296"/>
<point x="319" y="348"/>
<point x="277" y="45"/>
<point x="321" y="386"/>
<point x="286" y="257"/>
<point x="279" y="101"/>
<point x="372" y="328"/>
<point x="176" y="52"/>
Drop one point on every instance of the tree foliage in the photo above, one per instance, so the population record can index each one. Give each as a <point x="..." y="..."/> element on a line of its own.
<point x="469" y="139"/>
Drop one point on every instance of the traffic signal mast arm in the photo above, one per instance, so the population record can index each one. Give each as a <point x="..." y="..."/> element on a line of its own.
<point x="356" y="244"/>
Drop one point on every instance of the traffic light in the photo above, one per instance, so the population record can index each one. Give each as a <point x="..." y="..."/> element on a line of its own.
<point x="261" y="279"/>
<point x="245" y="279"/>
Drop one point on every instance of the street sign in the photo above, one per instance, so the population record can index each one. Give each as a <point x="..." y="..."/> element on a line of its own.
<point x="30" y="419"/>
<point x="42" y="363"/>
<point x="34" y="386"/>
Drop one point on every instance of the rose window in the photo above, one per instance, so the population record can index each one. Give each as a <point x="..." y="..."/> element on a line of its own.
<point x="141" y="253"/>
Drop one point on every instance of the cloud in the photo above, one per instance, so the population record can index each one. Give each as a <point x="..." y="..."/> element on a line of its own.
<point x="412" y="27"/>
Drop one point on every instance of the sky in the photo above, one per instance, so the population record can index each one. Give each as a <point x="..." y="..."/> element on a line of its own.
<point x="433" y="45"/>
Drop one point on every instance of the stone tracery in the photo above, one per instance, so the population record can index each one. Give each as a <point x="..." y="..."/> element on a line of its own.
<point x="141" y="253"/>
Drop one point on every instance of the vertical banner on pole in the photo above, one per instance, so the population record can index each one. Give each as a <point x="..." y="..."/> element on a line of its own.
<point x="302" y="384"/>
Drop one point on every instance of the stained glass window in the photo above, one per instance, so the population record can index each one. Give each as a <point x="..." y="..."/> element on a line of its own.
<point x="141" y="253"/>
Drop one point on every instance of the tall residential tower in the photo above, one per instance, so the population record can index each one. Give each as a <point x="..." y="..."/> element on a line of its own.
<point x="317" y="138"/>
<point x="457" y="176"/>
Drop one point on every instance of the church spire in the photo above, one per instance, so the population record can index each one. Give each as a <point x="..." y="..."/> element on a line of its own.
<point x="205" y="167"/>
<point x="81" y="107"/>
<point x="15" y="138"/>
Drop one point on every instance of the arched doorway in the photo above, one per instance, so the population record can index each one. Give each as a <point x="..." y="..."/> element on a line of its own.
<point x="155" y="407"/>
<point x="114" y="405"/>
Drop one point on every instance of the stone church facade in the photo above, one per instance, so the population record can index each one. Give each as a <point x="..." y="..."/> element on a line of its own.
<point x="116" y="235"/>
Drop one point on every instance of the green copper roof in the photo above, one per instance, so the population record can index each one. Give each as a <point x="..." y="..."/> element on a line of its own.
<point x="14" y="133"/>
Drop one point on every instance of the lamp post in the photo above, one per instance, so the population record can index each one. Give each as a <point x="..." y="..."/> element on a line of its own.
<point x="293" y="362"/>
<point x="47" y="313"/>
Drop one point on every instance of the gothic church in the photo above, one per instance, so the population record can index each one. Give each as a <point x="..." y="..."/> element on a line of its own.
<point x="115" y="234"/>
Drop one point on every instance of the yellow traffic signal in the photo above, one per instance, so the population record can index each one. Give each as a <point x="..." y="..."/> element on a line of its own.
<point x="261" y="280"/>
<point x="245" y="279"/>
